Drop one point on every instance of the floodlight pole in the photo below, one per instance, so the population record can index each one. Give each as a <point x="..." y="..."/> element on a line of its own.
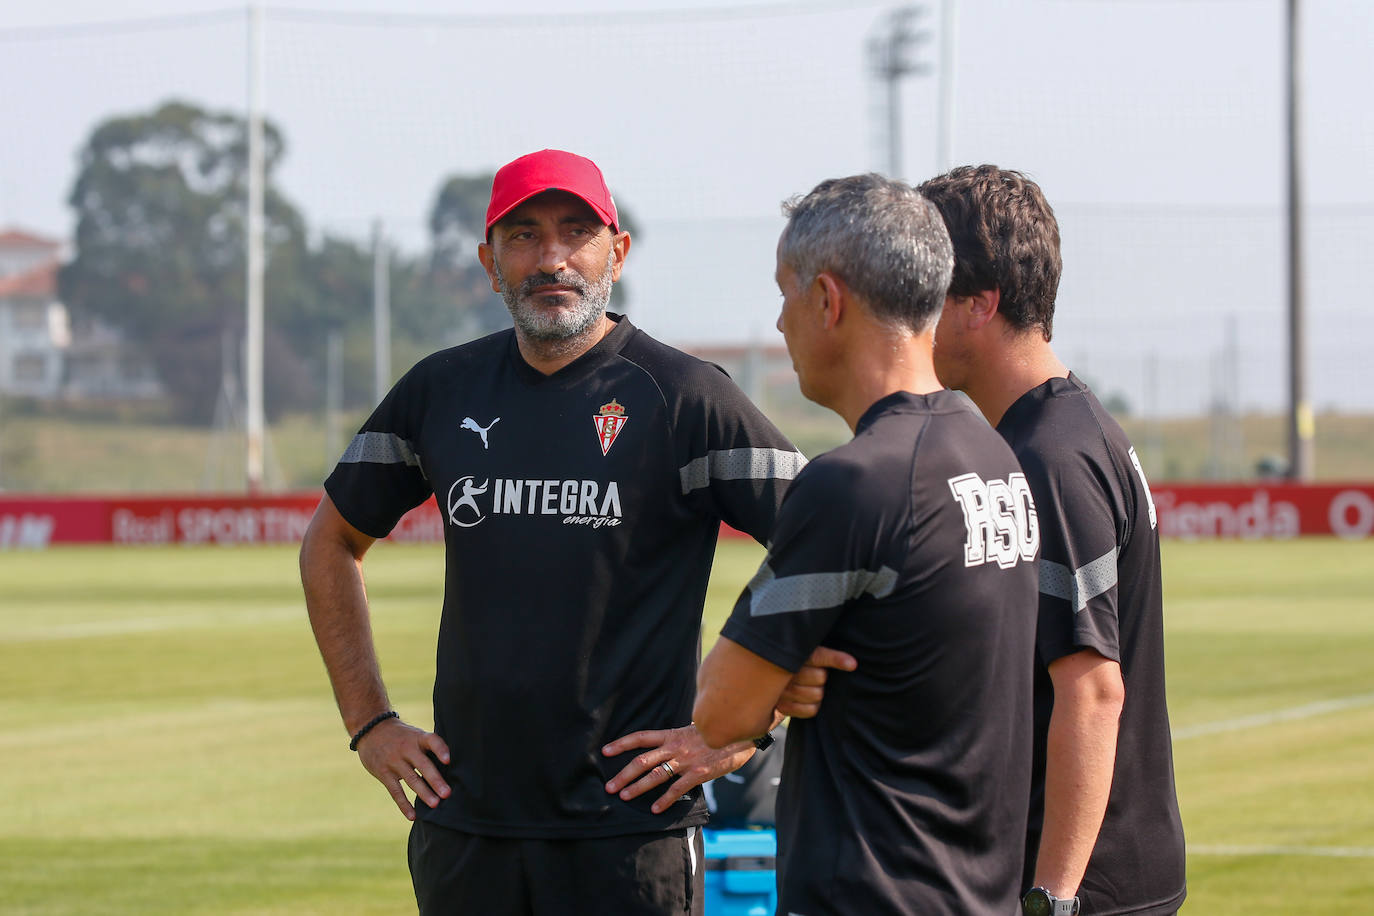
<point x="889" y="62"/>
<point x="1301" y="423"/>
<point x="381" y="313"/>
<point x="253" y="329"/>
<point x="333" y="394"/>
<point x="949" y="21"/>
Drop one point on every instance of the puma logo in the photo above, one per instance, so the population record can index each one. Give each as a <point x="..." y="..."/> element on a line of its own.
<point x="470" y="424"/>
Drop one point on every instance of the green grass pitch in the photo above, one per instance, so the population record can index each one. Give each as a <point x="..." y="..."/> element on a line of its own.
<point x="168" y="742"/>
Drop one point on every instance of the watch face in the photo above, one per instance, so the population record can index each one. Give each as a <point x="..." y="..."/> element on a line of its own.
<point x="1037" y="903"/>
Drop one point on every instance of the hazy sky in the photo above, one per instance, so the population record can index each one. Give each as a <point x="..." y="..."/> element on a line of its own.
<point x="1154" y="126"/>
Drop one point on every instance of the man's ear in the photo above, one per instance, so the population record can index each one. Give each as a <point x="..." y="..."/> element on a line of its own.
<point x="831" y="293"/>
<point x="620" y="246"/>
<point x="487" y="255"/>
<point x="982" y="307"/>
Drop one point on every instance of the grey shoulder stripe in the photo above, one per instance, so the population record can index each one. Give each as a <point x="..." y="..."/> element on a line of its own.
<point x="379" y="448"/>
<point x="813" y="591"/>
<point x="1081" y="585"/>
<point x="740" y="464"/>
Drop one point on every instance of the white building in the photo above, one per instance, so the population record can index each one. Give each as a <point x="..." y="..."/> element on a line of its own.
<point x="34" y="330"/>
<point x="41" y="354"/>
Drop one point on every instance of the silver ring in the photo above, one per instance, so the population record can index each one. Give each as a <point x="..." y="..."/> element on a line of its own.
<point x="667" y="769"/>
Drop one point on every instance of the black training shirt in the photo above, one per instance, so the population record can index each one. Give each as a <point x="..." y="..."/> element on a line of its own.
<point x="581" y="514"/>
<point x="1101" y="589"/>
<point x="912" y="547"/>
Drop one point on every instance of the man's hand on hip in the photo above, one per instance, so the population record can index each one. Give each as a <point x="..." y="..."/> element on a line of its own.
<point x="396" y="753"/>
<point x="689" y="763"/>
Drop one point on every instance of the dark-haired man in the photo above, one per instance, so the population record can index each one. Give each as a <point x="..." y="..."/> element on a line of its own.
<point x="912" y="547"/>
<point x="1104" y="821"/>
<point x="583" y="470"/>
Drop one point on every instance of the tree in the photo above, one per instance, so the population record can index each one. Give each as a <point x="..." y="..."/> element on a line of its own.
<point x="457" y="223"/>
<point x="457" y="220"/>
<point x="160" y="201"/>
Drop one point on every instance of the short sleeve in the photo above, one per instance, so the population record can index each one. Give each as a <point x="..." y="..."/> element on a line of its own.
<point x="1078" y="557"/>
<point x="815" y="567"/>
<point x="733" y="463"/>
<point x="380" y="478"/>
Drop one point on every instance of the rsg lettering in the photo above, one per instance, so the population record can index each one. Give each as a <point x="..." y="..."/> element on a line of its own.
<point x="999" y="519"/>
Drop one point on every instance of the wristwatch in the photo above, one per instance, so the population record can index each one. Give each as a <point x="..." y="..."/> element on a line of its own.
<point x="765" y="741"/>
<point x="1040" y="902"/>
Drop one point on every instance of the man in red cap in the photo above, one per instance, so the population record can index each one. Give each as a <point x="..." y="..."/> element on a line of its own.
<point x="583" y="470"/>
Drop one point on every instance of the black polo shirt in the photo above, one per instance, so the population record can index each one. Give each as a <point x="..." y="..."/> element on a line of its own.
<point x="1101" y="589"/>
<point x="581" y="515"/>
<point x="912" y="547"/>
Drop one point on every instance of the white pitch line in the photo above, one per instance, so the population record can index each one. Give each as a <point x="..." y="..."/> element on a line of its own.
<point x="1272" y="718"/>
<point x="1335" y="852"/>
<point x="138" y="625"/>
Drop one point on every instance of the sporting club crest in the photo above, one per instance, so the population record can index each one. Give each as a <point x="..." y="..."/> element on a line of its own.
<point x="609" y="422"/>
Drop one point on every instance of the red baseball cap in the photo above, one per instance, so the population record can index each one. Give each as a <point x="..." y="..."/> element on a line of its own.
<point x="550" y="170"/>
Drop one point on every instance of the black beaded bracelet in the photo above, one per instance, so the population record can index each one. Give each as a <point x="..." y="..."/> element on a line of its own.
<point x="389" y="714"/>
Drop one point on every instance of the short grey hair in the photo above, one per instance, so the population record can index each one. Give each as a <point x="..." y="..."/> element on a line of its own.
<point x="887" y="242"/>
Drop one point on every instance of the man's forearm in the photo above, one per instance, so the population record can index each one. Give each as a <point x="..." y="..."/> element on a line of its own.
<point x="1080" y="757"/>
<point x="737" y="694"/>
<point x="336" y="600"/>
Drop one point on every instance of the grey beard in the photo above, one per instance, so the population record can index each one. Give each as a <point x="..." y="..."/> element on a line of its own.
<point x="537" y="324"/>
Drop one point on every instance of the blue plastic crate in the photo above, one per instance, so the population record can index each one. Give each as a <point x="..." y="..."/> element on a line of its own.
<point x="741" y="874"/>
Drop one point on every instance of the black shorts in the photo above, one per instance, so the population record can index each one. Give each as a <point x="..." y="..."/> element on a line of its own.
<point x="644" y="874"/>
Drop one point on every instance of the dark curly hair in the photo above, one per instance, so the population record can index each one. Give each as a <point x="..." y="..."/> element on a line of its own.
<point x="1005" y="238"/>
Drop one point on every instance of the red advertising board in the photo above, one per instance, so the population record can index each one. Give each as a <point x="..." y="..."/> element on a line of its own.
<point x="1279" y="510"/>
<point x="32" y="521"/>
<point x="1189" y="511"/>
